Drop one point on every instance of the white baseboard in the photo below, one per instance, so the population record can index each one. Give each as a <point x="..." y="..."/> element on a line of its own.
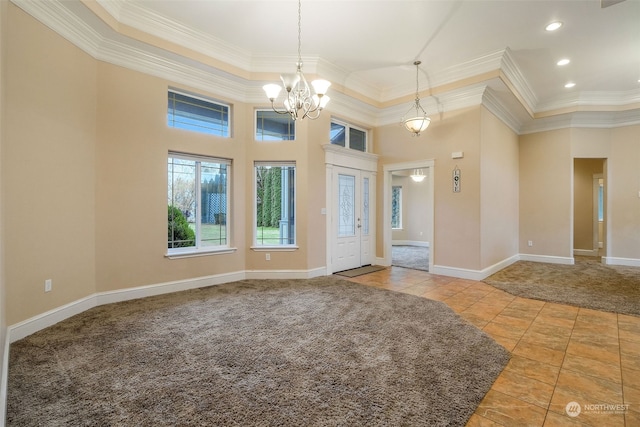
<point x="586" y="252"/>
<point x="464" y="273"/>
<point x="410" y="243"/>
<point x="286" y="274"/>
<point x="165" y="288"/>
<point x="628" y="262"/>
<point x="34" y="324"/>
<point x="547" y="259"/>
<point x="383" y="262"/>
<point x="461" y="273"/>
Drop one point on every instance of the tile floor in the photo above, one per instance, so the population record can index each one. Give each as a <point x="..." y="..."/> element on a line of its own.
<point x="559" y="354"/>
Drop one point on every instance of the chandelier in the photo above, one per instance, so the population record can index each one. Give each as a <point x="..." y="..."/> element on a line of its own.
<point x="418" y="122"/>
<point x="299" y="102"/>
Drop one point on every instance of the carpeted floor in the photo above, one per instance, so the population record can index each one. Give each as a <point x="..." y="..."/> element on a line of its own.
<point x="415" y="257"/>
<point x="313" y="352"/>
<point x="588" y="283"/>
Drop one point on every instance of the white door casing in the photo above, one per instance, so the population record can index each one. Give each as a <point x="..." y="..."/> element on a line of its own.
<point x="351" y="219"/>
<point x="351" y="189"/>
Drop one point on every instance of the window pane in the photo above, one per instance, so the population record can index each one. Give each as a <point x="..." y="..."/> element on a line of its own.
<point x="275" y="205"/>
<point x="601" y="203"/>
<point x="346" y="200"/>
<point x="198" y="203"/>
<point x="213" y="188"/>
<point x="185" y="112"/>
<point x="365" y="206"/>
<point x="338" y="134"/>
<point x="272" y="126"/>
<point x="396" y="204"/>
<point x="182" y="203"/>
<point x="357" y="140"/>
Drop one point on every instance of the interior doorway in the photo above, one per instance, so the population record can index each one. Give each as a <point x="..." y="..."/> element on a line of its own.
<point x="408" y="214"/>
<point x="589" y="207"/>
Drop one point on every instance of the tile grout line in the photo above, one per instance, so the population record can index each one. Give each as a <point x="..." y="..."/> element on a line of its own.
<point x="624" y="416"/>
<point x="564" y="356"/>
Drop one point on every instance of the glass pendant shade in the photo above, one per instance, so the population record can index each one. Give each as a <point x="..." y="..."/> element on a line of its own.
<point x="320" y="101"/>
<point x="418" y="175"/>
<point x="417" y="124"/>
<point x="320" y="86"/>
<point x="290" y="80"/>
<point x="272" y="90"/>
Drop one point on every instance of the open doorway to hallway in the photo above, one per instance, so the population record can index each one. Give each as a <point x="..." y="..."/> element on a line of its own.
<point x="589" y="211"/>
<point x="409" y="209"/>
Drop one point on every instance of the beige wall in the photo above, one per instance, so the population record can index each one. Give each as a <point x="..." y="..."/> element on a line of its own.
<point x="478" y="226"/>
<point x="3" y="312"/>
<point x="456" y="239"/>
<point x="622" y="206"/>
<point x="499" y="191"/>
<point x="131" y="190"/>
<point x="48" y="167"/>
<point x="545" y="194"/>
<point x="546" y="161"/>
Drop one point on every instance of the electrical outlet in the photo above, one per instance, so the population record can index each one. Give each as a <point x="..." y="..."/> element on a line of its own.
<point x="47" y="285"/>
<point x="267" y="257"/>
<point x="530" y="243"/>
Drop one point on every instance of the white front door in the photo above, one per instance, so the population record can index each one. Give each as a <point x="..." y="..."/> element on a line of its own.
<point x="351" y="219"/>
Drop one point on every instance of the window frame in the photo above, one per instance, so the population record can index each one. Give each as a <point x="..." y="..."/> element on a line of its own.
<point x="226" y="130"/>
<point x="198" y="249"/>
<point x="292" y="123"/>
<point x="347" y="135"/>
<point x="274" y="247"/>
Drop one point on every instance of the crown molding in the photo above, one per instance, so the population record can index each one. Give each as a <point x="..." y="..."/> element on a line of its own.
<point x="591" y="99"/>
<point x="620" y="109"/>
<point x="113" y="7"/>
<point x="141" y="60"/>
<point x="512" y="72"/>
<point x="584" y="119"/>
<point x="501" y="111"/>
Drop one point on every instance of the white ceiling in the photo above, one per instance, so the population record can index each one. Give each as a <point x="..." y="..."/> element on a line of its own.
<point x="367" y="47"/>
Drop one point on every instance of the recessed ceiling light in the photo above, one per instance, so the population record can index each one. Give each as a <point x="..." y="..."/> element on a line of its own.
<point x="563" y="61"/>
<point x="553" y="26"/>
<point x="569" y="85"/>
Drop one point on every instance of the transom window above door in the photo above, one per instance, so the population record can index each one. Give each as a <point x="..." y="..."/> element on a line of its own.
<point x="348" y="136"/>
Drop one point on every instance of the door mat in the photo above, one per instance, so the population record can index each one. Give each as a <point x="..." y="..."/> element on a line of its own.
<point x="360" y="271"/>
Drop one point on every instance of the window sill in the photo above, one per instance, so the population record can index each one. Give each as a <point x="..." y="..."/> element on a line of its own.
<point x="289" y="248"/>
<point x="201" y="252"/>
